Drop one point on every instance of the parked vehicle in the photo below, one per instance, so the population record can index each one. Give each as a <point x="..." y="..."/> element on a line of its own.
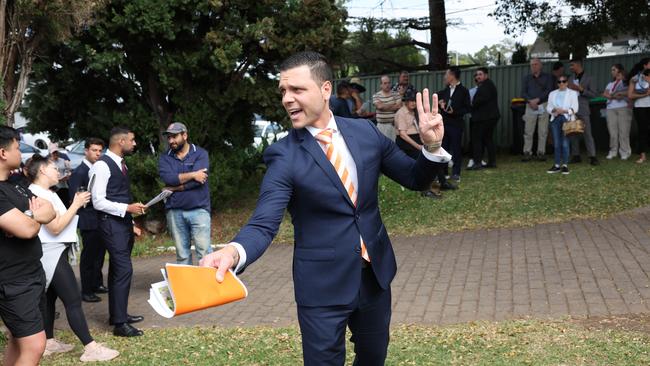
<point x="37" y="140"/>
<point x="266" y="130"/>
<point x="26" y="151"/>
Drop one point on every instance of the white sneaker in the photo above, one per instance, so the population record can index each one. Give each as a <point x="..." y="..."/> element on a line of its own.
<point x="625" y="157"/>
<point x="98" y="352"/>
<point x="54" y="346"/>
<point x="470" y="164"/>
<point x="611" y="155"/>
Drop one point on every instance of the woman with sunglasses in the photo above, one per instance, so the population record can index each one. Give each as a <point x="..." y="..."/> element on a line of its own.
<point x="562" y="103"/>
<point x="60" y="279"/>
<point x="619" y="114"/>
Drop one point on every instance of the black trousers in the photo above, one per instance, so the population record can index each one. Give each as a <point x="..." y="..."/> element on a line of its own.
<point x="452" y="143"/>
<point x="118" y="238"/>
<point x="642" y="117"/>
<point x="64" y="287"/>
<point x="408" y="148"/>
<point x="481" y="137"/>
<point x="91" y="261"/>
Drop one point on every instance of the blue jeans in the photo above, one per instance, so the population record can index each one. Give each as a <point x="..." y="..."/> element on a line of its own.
<point x="560" y="142"/>
<point x="187" y="227"/>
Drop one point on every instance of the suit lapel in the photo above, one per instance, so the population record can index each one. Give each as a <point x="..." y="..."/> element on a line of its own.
<point x="312" y="146"/>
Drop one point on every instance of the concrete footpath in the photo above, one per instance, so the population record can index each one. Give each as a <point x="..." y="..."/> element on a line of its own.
<point x="575" y="268"/>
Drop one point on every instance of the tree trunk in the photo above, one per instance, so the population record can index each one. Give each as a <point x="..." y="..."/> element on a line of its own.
<point x="438" y="29"/>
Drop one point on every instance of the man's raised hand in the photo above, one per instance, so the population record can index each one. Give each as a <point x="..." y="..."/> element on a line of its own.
<point x="430" y="121"/>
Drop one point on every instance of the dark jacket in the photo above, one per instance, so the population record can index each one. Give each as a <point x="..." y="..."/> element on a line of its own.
<point x="87" y="214"/>
<point x="459" y="102"/>
<point x="339" y="107"/>
<point x="485" y="105"/>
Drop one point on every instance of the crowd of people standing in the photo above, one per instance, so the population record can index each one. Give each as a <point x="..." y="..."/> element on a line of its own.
<point x="551" y="100"/>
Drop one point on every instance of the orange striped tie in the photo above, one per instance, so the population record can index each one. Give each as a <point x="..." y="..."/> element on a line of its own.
<point x="333" y="155"/>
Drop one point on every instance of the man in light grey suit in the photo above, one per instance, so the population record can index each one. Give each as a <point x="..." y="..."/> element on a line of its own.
<point x="582" y="84"/>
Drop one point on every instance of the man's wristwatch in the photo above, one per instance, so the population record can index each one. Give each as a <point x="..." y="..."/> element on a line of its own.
<point x="29" y="214"/>
<point x="432" y="147"/>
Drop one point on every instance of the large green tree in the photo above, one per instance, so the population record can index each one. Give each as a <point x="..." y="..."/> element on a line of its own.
<point x="26" y="28"/>
<point x="208" y="63"/>
<point x="572" y="26"/>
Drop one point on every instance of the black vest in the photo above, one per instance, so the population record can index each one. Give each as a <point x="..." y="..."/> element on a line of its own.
<point x="118" y="187"/>
<point x="87" y="215"/>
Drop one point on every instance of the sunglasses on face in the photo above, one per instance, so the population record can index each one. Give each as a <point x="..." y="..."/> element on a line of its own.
<point x="561" y="81"/>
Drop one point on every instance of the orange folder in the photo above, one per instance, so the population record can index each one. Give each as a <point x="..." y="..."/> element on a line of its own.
<point x="195" y="288"/>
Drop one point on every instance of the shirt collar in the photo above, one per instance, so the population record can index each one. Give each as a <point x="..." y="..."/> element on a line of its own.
<point x="331" y="125"/>
<point x="88" y="164"/>
<point x="118" y="159"/>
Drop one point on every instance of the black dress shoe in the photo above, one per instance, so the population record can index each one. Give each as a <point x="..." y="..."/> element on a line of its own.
<point x="130" y="319"/>
<point x="101" y="289"/>
<point x="432" y="195"/>
<point x="593" y="161"/>
<point x="475" y="167"/>
<point x="575" y="159"/>
<point x="447" y="186"/>
<point x="90" y="298"/>
<point x="127" y="330"/>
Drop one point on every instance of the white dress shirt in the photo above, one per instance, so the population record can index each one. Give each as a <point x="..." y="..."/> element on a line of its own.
<point x="102" y="173"/>
<point x="342" y="149"/>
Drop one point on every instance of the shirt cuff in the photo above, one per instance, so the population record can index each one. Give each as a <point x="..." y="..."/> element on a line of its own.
<point x="242" y="256"/>
<point x="121" y="209"/>
<point x="441" y="156"/>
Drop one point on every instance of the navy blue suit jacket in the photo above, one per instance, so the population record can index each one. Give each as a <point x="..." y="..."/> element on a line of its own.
<point x="326" y="261"/>
<point x="88" y="219"/>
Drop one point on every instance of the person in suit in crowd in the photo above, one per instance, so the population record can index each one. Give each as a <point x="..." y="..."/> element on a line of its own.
<point x="111" y="195"/>
<point x="93" y="252"/>
<point x="326" y="173"/>
<point x="339" y="103"/>
<point x="557" y="70"/>
<point x="581" y="83"/>
<point x="485" y="115"/>
<point x="454" y="105"/>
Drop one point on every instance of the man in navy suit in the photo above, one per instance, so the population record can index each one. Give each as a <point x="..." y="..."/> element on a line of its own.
<point x="93" y="252"/>
<point x="326" y="173"/>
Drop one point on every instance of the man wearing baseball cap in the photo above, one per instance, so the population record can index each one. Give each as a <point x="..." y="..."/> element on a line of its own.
<point x="184" y="170"/>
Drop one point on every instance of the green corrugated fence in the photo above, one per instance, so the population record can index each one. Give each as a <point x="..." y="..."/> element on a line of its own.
<point x="508" y="81"/>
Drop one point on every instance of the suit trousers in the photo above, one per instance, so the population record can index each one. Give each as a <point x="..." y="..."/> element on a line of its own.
<point x="481" y="137"/>
<point x="91" y="261"/>
<point x="531" y="121"/>
<point x="642" y="117"/>
<point x="589" y="139"/>
<point x="118" y="238"/>
<point x="452" y="143"/>
<point x="368" y="317"/>
<point x="619" y="123"/>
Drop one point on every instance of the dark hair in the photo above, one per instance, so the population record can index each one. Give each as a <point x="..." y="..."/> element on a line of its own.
<point x="33" y="166"/>
<point x="637" y="68"/>
<point x="646" y="72"/>
<point x="403" y="72"/>
<point x="483" y="70"/>
<point x="576" y="61"/>
<point x="620" y="69"/>
<point x="7" y="136"/>
<point x="318" y="67"/>
<point x="119" y="130"/>
<point x="93" y="141"/>
<point x="409" y="95"/>
<point x="557" y="65"/>
<point x="455" y="70"/>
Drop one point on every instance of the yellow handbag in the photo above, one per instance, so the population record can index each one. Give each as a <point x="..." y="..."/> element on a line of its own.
<point x="574" y="126"/>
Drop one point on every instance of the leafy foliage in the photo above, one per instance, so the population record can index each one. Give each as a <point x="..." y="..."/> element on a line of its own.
<point x="586" y="24"/>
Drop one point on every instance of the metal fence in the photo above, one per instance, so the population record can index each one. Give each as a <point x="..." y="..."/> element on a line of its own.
<point x="508" y="81"/>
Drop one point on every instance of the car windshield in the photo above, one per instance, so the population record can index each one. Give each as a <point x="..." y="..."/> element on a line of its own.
<point x="78" y="148"/>
<point x="24" y="148"/>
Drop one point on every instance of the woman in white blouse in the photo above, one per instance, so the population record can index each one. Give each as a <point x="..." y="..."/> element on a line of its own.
<point x="56" y="238"/>
<point x="562" y="104"/>
<point x="619" y="114"/>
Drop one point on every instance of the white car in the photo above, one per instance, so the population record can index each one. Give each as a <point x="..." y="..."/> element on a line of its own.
<point x="38" y="140"/>
<point x="266" y="130"/>
<point x="26" y="151"/>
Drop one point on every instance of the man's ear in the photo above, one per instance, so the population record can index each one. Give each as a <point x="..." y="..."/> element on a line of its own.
<point x="326" y="89"/>
<point x="3" y="153"/>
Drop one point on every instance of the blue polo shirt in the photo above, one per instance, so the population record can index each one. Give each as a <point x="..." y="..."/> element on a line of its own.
<point x="195" y="195"/>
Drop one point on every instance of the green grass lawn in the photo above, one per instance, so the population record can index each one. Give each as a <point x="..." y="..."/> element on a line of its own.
<point x="519" y="342"/>
<point x="515" y="194"/>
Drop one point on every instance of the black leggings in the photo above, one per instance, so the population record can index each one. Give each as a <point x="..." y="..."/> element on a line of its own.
<point x="64" y="286"/>
<point x="642" y="117"/>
